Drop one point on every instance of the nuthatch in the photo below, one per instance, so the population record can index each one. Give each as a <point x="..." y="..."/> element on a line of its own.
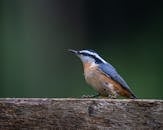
<point x="102" y="76"/>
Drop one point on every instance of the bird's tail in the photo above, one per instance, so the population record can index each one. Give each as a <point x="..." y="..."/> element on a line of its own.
<point x="133" y="96"/>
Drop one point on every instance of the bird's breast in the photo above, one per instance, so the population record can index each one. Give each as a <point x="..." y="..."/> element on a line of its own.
<point x="102" y="82"/>
<point x="98" y="80"/>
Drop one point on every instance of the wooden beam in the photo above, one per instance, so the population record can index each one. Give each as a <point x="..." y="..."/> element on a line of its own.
<point x="69" y="113"/>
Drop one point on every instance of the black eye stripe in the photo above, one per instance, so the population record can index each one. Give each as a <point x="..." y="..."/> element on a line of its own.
<point x="97" y="60"/>
<point x="86" y="54"/>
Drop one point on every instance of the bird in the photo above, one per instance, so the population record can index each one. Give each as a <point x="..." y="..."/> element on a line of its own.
<point x="102" y="76"/>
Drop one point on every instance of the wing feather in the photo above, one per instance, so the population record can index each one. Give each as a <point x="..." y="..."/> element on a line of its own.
<point x="111" y="72"/>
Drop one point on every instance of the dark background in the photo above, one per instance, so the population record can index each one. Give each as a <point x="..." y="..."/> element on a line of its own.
<point x="35" y="36"/>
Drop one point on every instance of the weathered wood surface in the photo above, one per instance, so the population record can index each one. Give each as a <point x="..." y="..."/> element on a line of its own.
<point x="92" y="114"/>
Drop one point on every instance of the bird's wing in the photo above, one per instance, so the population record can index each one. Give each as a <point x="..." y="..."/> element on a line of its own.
<point x="111" y="72"/>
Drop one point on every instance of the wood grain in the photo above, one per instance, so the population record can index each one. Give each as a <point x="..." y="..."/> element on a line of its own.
<point x="72" y="114"/>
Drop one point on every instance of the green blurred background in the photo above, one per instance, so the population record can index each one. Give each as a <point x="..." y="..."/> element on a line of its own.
<point x="35" y="36"/>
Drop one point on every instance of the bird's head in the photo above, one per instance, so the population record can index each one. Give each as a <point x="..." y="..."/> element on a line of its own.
<point x="88" y="56"/>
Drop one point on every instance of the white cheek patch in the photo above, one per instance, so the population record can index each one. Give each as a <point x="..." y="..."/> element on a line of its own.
<point x="85" y="59"/>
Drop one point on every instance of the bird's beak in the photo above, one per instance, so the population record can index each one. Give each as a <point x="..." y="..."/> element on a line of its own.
<point x="73" y="51"/>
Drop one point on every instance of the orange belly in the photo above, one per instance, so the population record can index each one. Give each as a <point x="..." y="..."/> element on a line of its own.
<point x="103" y="84"/>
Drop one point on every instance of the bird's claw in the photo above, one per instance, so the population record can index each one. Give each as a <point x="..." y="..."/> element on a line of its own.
<point x="90" y="96"/>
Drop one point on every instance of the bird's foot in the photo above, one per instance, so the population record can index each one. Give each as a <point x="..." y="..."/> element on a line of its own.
<point x="112" y="96"/>
<point x="90" y="96"/>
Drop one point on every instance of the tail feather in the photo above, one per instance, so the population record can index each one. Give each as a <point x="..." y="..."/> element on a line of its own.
<point x="133" y="96"/>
